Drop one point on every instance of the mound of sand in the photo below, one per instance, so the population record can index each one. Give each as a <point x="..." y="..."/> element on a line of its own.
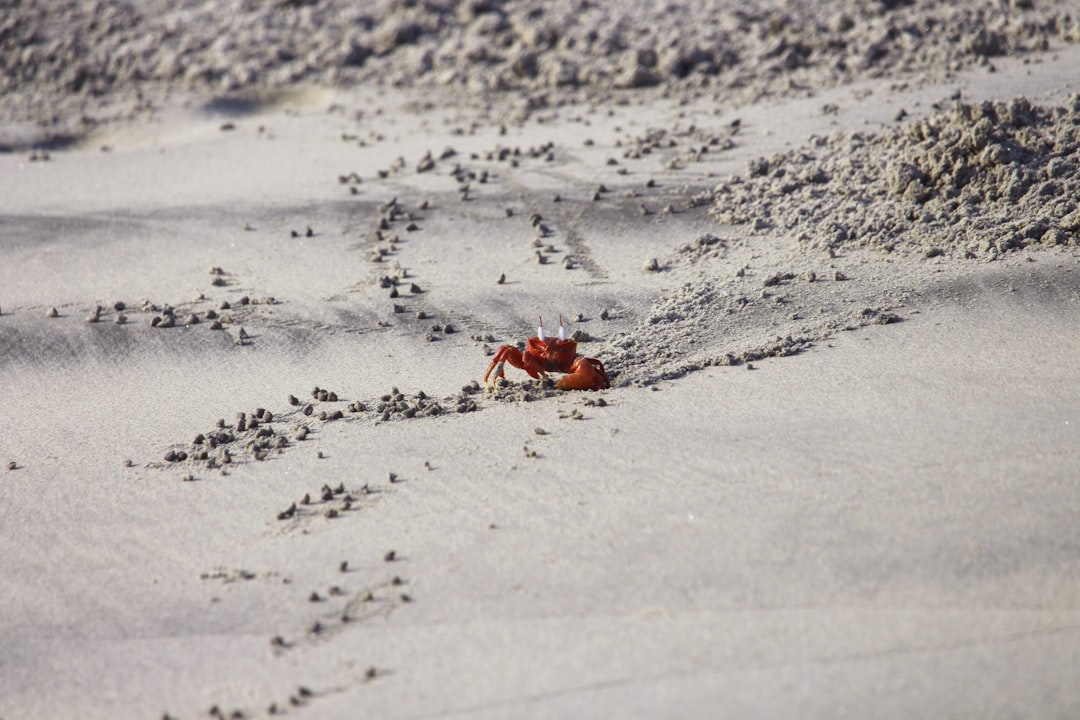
<point x="975" y="181"/>
<point x="75" y="56"/>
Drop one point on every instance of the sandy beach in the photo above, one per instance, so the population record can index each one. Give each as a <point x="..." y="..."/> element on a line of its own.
<point x="250" y="283"/>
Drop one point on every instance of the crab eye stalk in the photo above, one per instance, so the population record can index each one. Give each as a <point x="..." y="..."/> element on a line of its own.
<point x="562" y="329"/>
<point x="540" y="330"/>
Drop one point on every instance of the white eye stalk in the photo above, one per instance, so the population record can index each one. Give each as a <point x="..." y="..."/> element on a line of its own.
<point x="543" y="336"/>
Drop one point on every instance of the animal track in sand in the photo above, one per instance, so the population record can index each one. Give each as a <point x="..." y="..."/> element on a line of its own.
<point x="292" y="700"/>
<point x="263" y="434"/>
<point x="343" y="611"/>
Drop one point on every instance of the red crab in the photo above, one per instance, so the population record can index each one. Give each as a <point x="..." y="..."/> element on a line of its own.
<point x="542" y="356"/>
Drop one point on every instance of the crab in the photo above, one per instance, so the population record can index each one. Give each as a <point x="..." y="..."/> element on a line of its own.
<point x="542" y="356"/>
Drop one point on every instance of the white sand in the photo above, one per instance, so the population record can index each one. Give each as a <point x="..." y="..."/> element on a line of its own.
<point x="882" y="525"/>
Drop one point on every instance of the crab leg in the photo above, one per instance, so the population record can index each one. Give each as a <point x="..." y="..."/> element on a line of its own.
<point x="505" y="354"/>
<point x="510" y="354"/>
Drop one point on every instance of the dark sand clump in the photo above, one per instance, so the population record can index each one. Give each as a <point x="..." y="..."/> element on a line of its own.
<point x="60" y="60"/>
<point x="975" y="181"/>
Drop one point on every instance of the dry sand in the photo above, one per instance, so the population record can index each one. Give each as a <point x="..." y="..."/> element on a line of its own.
<point x="835" y="285"/>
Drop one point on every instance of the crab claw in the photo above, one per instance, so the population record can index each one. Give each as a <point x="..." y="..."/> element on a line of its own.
<point x="585" y="374"/>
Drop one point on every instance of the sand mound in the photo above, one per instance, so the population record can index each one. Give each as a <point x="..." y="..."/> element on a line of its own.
<point x="74" y="56"/>
<point x="975" y="181"/>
